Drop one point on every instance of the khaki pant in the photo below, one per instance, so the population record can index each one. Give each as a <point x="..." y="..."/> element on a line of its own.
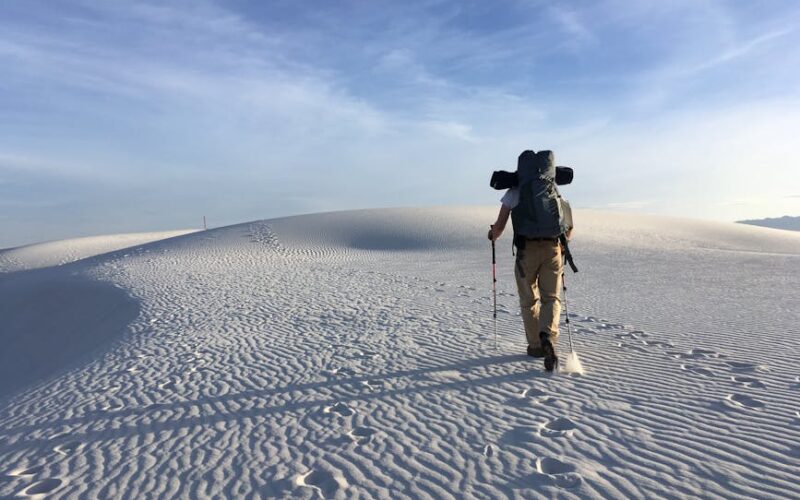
<point x="538" y="274"/>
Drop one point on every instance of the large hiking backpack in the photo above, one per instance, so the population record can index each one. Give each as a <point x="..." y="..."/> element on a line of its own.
<point x="539" y="213"/>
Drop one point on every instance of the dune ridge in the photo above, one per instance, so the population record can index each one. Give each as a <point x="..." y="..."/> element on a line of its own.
<point x="53" y="253"/>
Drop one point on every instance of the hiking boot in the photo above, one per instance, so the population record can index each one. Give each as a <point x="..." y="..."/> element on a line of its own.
<point x="535" y="352"/>
<point x="550" y="356"/>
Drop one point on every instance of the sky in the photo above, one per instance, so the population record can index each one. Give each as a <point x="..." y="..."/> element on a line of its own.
<point x="123" y="116"/>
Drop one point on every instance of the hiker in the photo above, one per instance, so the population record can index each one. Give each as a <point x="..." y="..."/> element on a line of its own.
<point x="542" y="222"/>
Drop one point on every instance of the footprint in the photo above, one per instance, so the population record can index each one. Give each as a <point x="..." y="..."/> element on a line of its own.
<point x="545" y="400"/>
<point x="532" y="393"/>
<point x="603" y="325"/>
<point x="339" y="372"/>
<point x="630" y="347"/>
<point x="372" y="385"/>
<point x="326" y="484"/>
<point x="553" y="466"/>
<point x="445" y="376"/>
<point x="360" y="354"/>
<point x="532" y="396"/>
<point x="168" y="385"/>
<point x="41" y="487"/>
<point x="744" y="401"/>
<point x="696" y="354"/>
<point x="488" y="451"/>
<point x="26" y="471"/>
<point x="658" y="343"/>
<point x="738" y="366"/>
<point x="68" y="448"/>
<point x="748" y="382"/>
<point x="698" y="370"/>
<point x="560" y="427"/>
<point x="362" y="435"/>
<point x="561" y="474"/>
<point x="626" y="335"/>
<point x="340" y="409"/>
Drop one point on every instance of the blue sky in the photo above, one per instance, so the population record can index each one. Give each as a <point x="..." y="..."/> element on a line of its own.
<point x="133" y="116"/>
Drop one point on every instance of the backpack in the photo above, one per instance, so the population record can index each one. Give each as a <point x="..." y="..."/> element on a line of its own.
<point x="539" y="213"/>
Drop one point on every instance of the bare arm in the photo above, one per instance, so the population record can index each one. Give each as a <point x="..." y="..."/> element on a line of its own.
<point x="500" y="224"/>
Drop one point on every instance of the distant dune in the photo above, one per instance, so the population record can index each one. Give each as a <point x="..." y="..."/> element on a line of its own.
<point x="54" y="253"/>
<point x="786" y="222"/>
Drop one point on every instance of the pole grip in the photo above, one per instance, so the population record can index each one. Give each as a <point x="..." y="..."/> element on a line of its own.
<point x="491" y="227"/>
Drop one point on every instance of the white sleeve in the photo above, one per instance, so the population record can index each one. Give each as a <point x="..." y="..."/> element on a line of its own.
<point x="511" y="198"/>
<point x="566" y="210"/>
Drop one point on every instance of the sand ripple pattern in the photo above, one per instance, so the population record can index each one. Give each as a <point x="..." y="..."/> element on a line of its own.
<point x="270" y="362"/>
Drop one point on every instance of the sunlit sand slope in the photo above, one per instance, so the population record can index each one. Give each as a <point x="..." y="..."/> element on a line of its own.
<point x="53" y="253"/>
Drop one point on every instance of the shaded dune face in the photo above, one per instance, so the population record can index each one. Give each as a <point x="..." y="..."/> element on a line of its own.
<point x="50" y="321"/>
<point x="390" y="230"/>
<point x="404" y="235"/>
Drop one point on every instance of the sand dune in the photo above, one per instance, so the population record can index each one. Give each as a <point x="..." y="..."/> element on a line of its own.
<point x="53" y="253"/>
<point x="351" y="354"/>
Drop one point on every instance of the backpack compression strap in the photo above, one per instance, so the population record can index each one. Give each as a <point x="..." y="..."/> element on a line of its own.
<point x="567" y="253"/>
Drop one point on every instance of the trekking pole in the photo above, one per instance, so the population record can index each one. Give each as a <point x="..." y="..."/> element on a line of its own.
<point x="566" y="310"/>
<point x="494" y="288"/>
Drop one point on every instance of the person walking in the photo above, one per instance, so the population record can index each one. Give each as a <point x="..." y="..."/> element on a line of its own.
<point x="541" y="219"/>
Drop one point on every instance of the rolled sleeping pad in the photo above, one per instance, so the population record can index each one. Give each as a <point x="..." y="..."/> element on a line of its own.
<point x="505" y="180"/>
<point x="564" y="175"/>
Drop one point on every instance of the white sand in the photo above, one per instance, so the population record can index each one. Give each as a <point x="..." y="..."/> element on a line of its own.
<point x="351" y="354"/>
<point x="53" y="253"/>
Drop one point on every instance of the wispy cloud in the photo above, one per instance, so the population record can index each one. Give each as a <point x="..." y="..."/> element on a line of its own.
<point x="691" y="64"/>
<point x="717" y="57"/>
<point x="576" y="31"/>
<point x="270" y="99"/>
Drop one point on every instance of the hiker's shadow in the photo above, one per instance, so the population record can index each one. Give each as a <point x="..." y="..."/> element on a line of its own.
<point x="287" y="399"/>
